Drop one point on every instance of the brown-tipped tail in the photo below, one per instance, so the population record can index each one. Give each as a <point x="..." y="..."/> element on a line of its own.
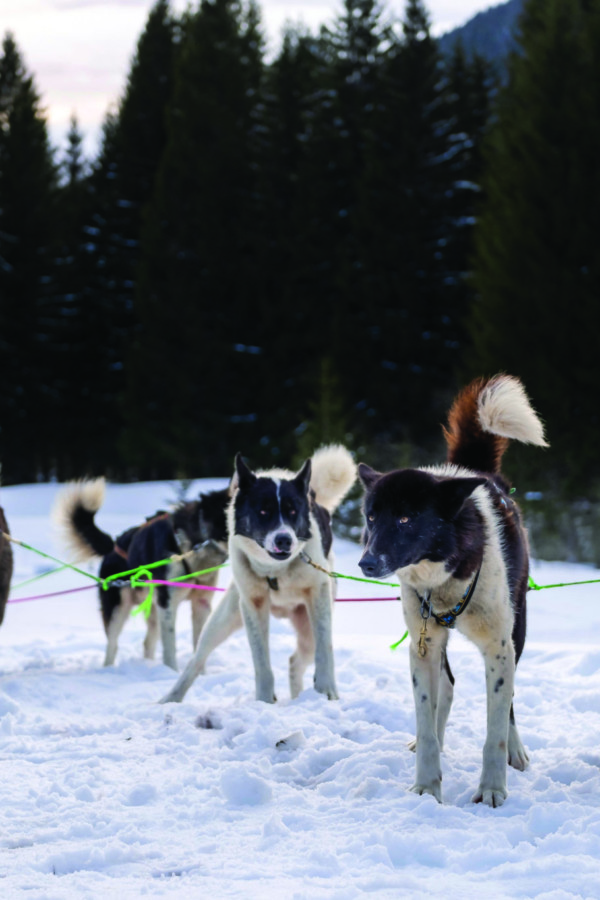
<point x="484" y="417"/>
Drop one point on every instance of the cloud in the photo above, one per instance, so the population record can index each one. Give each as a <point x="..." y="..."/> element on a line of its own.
<point x="87" y="4"/>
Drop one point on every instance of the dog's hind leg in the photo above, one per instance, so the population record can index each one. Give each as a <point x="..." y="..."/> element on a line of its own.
<point x="517" y="755"/>
<point x="116" y="606"/>
<point x="167" y="609"/>
<point x="445" y="697"/>
<point x="200" y="612"/>
<point x="305" y="649"/>
<point x="151" y="639"/>
<point x="222" y="622"/>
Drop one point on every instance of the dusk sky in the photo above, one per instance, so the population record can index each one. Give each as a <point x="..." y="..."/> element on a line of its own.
<point x="79" y="50"/>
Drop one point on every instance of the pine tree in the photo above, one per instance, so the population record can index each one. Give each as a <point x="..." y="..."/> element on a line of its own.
<point x="66" y="350"/>
<point x="469" y="84"/>
<point x="403" y="229"/>
<point x="536" y="263"/>
<point x="120" y="186"/>
<point x="329" y="275"/>
<point x="27" y="189"/>
<point x="196" y="360"/>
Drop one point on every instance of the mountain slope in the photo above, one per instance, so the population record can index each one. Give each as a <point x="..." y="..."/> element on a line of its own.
<point x="489" y="33"/>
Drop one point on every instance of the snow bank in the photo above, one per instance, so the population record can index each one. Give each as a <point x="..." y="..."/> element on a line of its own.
<point x="105" y="790"/>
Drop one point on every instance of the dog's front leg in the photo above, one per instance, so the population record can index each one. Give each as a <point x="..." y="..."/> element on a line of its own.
<point x="222" y="622"/>
<point x="425" y="671"/>
<point x="167" y="609"/>
<point x="499" y="660"/>
<point x="320" y="613"/>
<point x="256" y="612"/>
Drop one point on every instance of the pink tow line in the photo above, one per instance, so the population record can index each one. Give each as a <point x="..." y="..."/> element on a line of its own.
<point x="86" y="587"/>
<point x="182" y="584"/>
<point x="204" y="587"/>
<point x="179" y="584"/>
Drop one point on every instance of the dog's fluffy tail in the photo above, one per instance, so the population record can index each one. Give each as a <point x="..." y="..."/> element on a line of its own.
<point x="333" y="474"/>
<point x="484" y="417"/>
<point x="74" y="512"/>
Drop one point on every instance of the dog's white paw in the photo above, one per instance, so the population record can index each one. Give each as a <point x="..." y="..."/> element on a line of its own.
<point x="517" y="755"/>
<point x="325" y="687"/>
<point x="330" y="693"/>
<point x="172" y="697"/>
<point x="435" y="789"/>
<point x="490" y="796"/>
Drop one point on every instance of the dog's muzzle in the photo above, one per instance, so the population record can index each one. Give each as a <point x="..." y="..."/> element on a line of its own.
<point x="374" y="566"/>
<point x="281" y="545"/>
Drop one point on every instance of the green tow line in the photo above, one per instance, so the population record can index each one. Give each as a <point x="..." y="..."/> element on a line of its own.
<point x="146" y="606"/>
<point x="144" y="572"/>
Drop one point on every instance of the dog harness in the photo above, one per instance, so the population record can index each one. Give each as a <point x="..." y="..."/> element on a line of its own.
<point x="123" y="553"/>
<point x="447" y="619"/>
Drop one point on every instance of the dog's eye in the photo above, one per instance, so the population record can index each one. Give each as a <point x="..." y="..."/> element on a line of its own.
<point x="371" y="518"/>
<point x="403" y="520"/>
<point x="263" y="512"/>
<point x="292" y="511"/>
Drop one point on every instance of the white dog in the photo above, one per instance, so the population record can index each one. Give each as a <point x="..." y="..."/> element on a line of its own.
<point x="277" y="520"/>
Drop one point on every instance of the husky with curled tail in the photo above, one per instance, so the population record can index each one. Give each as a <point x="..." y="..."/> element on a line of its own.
<point x="193" y="536"/>
<point x="453" y="535"/>
<point x="276" y="520"/>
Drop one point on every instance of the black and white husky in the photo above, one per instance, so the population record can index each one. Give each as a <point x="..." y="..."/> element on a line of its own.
<point x="194" y="534"/>
<point x="276" y="521"/>
<point x="454" y="537"/>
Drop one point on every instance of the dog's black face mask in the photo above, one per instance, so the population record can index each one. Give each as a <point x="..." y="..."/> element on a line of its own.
<point x="274" y="512"/>
<point x="410" y="516"/>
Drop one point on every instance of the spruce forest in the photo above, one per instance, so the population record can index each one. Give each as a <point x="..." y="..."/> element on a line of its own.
<point x="269" y="253"/>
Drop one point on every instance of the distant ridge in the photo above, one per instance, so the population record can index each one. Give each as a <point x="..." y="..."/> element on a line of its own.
<point x="489" y="33"/>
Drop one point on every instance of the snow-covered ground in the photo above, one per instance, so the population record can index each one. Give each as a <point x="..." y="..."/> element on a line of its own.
<point x="107" y="793"/>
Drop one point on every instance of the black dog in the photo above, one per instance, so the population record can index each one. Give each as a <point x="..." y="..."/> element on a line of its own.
<point x="454" y="537"/>
<point x="6" y="564"/>
<point x="194" y="535"/>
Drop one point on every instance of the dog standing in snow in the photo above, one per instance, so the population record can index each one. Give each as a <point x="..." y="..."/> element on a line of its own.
<point x="194" y="534"/>
<point x="276" y="520"/>
<point x="6" y="564"/>
<point x="454" y="537"/>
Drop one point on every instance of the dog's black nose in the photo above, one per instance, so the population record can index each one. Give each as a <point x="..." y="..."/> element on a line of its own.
<point x="283" y="541"/>
<point x="368" y="564"/>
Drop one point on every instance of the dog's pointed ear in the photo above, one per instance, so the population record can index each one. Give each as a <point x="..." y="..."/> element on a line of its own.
<point x="302" y="479"/>
<point x="367" y="475"/>
<point x="454" y="492"/>
<point x="243" y="477"/>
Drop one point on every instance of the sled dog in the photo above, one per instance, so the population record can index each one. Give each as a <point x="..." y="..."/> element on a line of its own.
<point x="6" y="564"/>
<point x="453" y="535"/>
<point x="194" y="533"/>
<point x="277" y="520"/>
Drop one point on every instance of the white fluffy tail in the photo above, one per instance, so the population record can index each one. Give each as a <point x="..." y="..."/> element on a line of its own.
<point x="505" y="410"/>
<point x="333" y="474"/>
<point x="73" y="514"/>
